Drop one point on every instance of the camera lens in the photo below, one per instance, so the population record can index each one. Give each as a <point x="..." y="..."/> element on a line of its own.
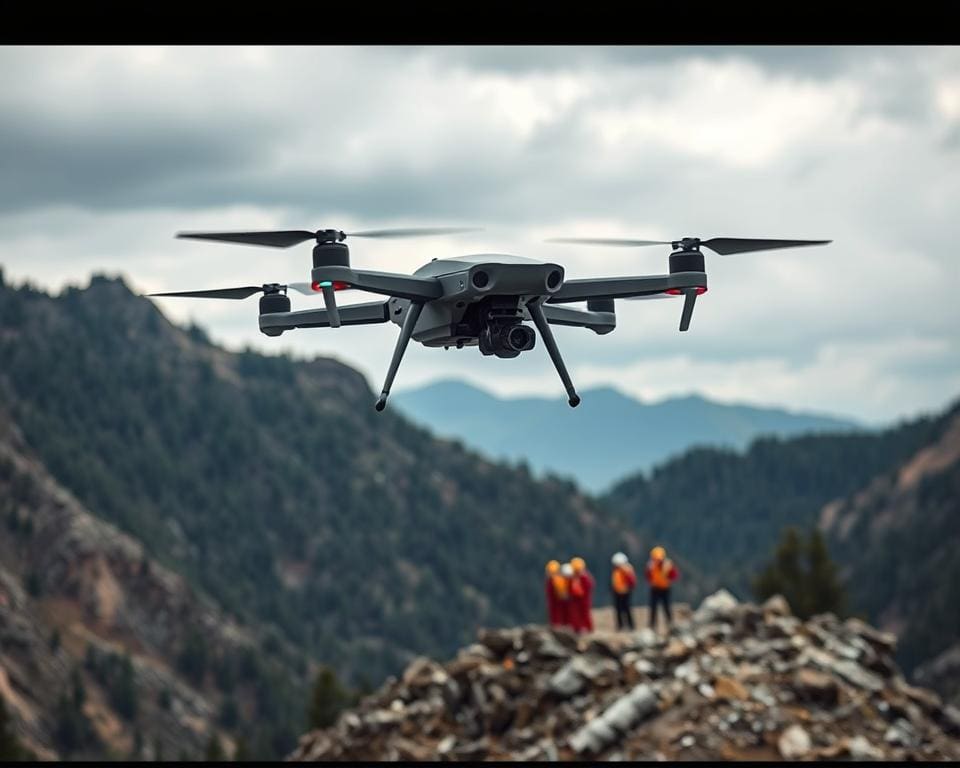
<point x="519" y="338"/>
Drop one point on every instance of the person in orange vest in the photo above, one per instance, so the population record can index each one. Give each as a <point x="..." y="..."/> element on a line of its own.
<point x="557" y="586"/>
<point x="553" y="600"/>
<point x="622" y="581"/>
<point x="661" y="573"/>
<point x="581" y="596"/>
<point x="561" y="583"/>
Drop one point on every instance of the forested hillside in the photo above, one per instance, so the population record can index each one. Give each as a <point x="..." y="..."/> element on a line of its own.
<point x="105" y="654"/>
<point x="274" y="486"/>
<point x="725" y="511"/>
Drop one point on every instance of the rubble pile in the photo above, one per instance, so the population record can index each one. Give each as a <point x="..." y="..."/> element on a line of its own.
<point x="735" y="681"/>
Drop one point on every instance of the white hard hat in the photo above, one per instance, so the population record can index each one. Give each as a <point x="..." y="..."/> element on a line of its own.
<point x="619" y="559"/>
<point x="566" y="569"/>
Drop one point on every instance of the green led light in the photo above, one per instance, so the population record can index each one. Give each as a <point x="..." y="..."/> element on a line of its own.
<point x="325" y="284"/>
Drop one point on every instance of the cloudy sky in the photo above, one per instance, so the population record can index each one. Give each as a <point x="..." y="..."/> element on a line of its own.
<point x="106" y="153"/>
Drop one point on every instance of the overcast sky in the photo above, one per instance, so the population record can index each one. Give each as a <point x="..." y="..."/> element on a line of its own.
<point x="106" y="153"/>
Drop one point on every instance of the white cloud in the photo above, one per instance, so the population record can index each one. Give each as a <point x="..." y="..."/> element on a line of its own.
<point x="110" y="151"/>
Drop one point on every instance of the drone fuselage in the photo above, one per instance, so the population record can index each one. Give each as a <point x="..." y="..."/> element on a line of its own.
<point x="484" y="298"/>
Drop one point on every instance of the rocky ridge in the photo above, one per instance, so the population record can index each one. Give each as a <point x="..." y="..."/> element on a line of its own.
<point x="733" y="681"/>
<point x="75" y="594"/>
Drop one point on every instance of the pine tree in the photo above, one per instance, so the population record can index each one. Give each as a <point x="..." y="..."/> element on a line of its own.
<point x="327" y="699"/>
<point x="10" y="749"/>
<point x="214" y="752"/>
<point x="242" y="751"/>
<point x="804" y="574"/>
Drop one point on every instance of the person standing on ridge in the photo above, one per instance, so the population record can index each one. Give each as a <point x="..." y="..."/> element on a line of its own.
<point x="553" y="599"/>
<point x="581" y="596"/>
<point x="622" y="581"/>
<point x="562" y="583"/>
<point x="661" y="573"/>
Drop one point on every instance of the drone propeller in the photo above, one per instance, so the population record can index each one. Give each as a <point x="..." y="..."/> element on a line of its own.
<point x="307" y="289"/>
<point x="287" y="238"/>
<point x="722" y="245"/>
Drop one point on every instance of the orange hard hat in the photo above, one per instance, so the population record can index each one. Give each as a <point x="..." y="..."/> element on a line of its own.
<point x="553" y="567"/>
<point x="658" y="553"/>
<point x="578" y="564"/>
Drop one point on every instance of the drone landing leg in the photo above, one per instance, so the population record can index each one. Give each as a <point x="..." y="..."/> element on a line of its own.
<point x="540" y="320"/>
<point x="689" y="297"/>
<point x="330" y="299"/>
<point x="406" y="331"/>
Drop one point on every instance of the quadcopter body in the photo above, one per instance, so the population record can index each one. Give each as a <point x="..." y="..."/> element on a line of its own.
<point x="483" y="300"/>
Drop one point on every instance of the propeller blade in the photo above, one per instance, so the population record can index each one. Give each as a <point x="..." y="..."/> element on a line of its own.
<point x="729" y="245"/>
<point x="722" y="245"/>
<point x="416" y="232"/>
<point x="305" y="288"/>
<point x="216" y="293"/>
<point x="279" y="239"/>
<point x="606" y="241"/>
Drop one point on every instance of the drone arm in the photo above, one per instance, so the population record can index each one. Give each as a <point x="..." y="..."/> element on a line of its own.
<point x="385" y="283"/>
<point x="354" y="314"/>
<point x="601" y="322"/>
<point x="625" y="287"/>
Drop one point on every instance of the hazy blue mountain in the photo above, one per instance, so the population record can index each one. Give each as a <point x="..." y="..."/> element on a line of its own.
<point x="609" y="436"/>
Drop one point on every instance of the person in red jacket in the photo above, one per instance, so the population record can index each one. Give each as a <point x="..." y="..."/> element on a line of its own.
<point x="661" y="573"/>
<point x="553" y="599"/>
<point x="581" y="596"/>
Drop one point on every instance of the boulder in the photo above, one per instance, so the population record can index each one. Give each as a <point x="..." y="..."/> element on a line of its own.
<point x="809" y="685"/>
<point x="730" y="689"/>
<point x="776" y="605"/>
<point x="422" y="672"/>
<point x="860" y="748"/>
<point x="794" y="743"/>
<point x="720" y="606"/>
<point x="566" y="681"/>
<point x="499" y="641"/>
<point x="615" y="721"/>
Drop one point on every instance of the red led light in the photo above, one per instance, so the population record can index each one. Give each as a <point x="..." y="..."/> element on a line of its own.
<point x="317" y="286"/>
<point x="677" y="292"/>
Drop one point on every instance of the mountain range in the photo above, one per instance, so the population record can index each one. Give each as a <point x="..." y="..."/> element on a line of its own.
<point x="609" y="436"/>
<point x="253" y="517"/>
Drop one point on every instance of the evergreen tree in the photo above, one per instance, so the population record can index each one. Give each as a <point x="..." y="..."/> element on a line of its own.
<point x="327" y="699"/>
<point x="804" y="574"/>
<point x="242" y="752"/>
<point x="214" y="752"/>
<point x="10" y="748"/>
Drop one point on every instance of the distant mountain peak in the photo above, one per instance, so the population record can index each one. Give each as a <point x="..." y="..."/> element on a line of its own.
<point x="610" y="436"/>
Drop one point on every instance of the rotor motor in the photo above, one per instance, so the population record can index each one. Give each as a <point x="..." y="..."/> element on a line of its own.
<point x="687" y="260"/>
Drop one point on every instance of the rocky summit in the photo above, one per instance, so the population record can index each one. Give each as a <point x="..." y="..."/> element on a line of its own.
<point x="732" y="681"/>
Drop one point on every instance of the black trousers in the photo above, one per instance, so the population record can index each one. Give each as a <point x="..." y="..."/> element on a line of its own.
<point x="624" y="614"/>
<point x="659" y="597"/>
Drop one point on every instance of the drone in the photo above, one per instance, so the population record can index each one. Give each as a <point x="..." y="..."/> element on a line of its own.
<point x="478" y="300"/>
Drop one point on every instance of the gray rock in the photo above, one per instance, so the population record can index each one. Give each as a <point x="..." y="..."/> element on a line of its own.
<point x="777" y="605"/>
<point x="618" y="719"/>
<point x="861" y="749"/>
<point x="794" y="743"/>
<point x="566" y="681"/>
<point x="499" y="641"/>
<point x="857" y="675"/>
<point x="551" y="648"/>
<point x="718" y="606"/>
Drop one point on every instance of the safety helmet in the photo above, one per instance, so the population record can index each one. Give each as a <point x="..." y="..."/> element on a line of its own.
<point x="553" y="566"/>
<point x="566" y="569"/>
<point x="658" y="553"/>
<point x="578" y="564"/>
<point x="619" y="559"/>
